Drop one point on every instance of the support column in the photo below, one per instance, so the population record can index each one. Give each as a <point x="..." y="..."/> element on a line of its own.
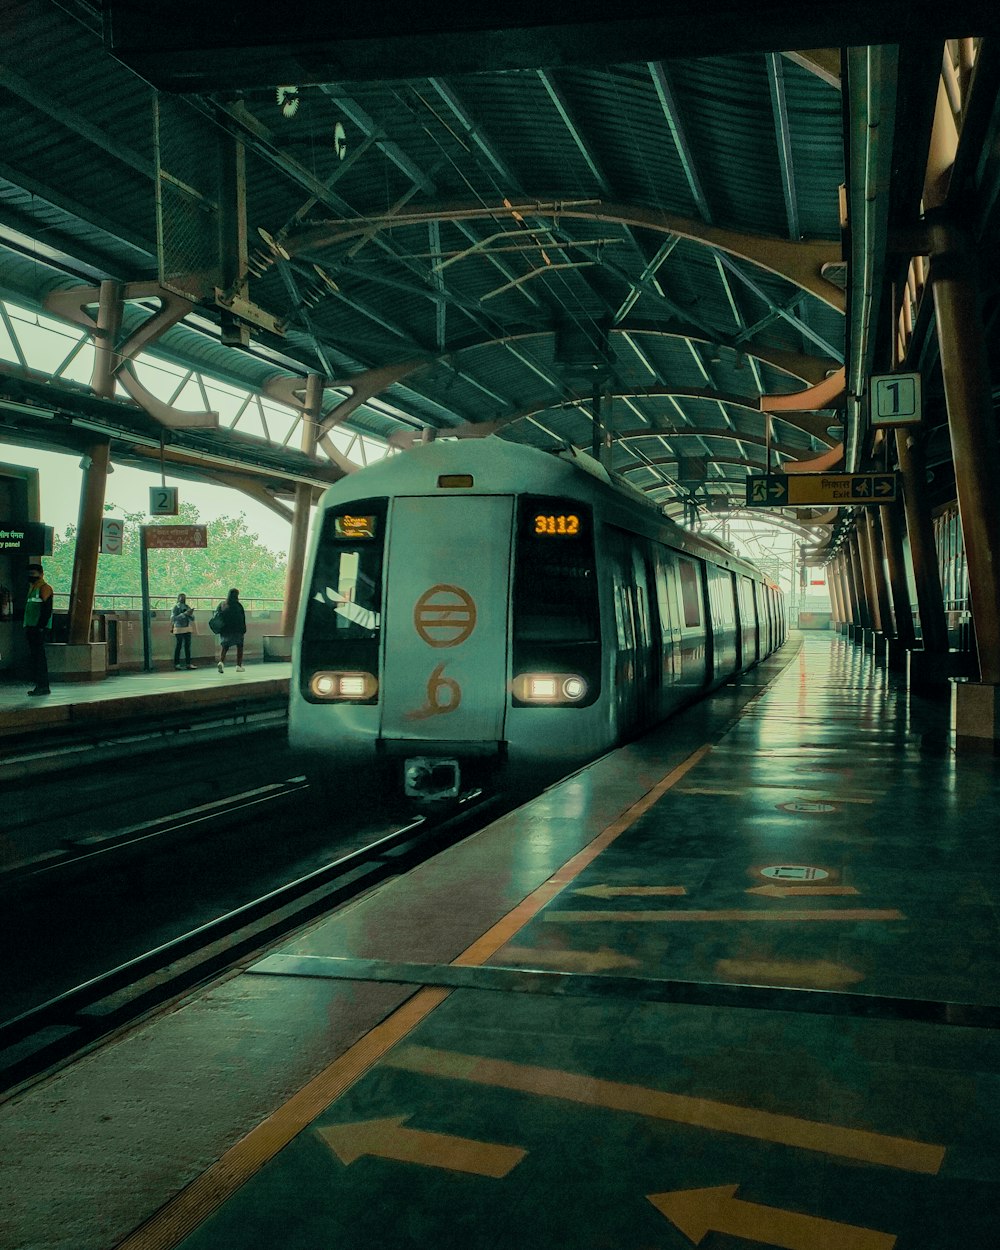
<point x="311" y="410"/>
<point x="892" y="538"/>
<point x="976" y="457"/>
<point x="972" y="428"/>
<point x="95" y="473"/>
<point x="920" y="531"/>
<point x="847" y="589"/>
<point x="884" y="645"/>
<point x="836" y="607"/>
<point x="863" y="618"/>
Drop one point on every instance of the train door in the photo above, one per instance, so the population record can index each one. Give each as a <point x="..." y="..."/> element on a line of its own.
<point x="624" y="693"/>
<point x="646" y="669"/>
<point x="695" y="654"/>
<point x="445" y="665"/>
<point x="749" y="637"/>
<point x="670" y="629"/>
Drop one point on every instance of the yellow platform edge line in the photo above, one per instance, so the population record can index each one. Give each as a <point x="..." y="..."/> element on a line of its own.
<point x="184" y="1213"/>
<point x="207" y="1192"/>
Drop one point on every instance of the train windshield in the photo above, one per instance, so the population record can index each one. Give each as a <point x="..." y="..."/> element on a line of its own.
<point x="345" y="598"/>
<point x="555" y="587"/>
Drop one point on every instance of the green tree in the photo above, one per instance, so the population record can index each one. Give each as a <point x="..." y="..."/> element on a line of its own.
<point x="235" y="556"/>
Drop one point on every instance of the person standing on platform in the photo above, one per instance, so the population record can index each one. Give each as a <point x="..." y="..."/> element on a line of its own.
<point x="234" y="629"/>
<point x="182" y="626"/>
<point x="38" y="627"/>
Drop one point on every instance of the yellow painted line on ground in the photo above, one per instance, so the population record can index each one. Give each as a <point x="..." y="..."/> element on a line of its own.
<point x="799" y="891"/>
<point x="602" y="960"/>
<point x="697" y="1212"/>
<point x="504" y="930"/>
<point x="209" y="1191"/>
<point x="817" y="974"/>
<point x="808" y="796"/>
<point x="389" y="1138"/>
<point x="194" y="1204"/>
<point x="619" y="891"/>
<point x="669" y="917"/>
<point x="786" y="1130"/>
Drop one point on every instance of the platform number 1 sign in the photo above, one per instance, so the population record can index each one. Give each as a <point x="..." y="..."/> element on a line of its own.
<point x="163" y="501"/>
<point x="896" y="399"/>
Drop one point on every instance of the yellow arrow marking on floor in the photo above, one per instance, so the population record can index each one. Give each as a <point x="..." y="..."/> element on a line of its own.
<point x="796" y="891"/>
<point x="576" y="961"/>
<point x="831" y="1139"/>
<point x="641" y="917"/>
<point x="817" y="974"/>
<point x="387" y="1138"/>
<point x="697" y="1212"/>
<point x="615" y="891"/>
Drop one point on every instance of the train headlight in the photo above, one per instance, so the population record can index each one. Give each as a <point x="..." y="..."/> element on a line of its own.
<point x="551" y="688"/>
<point x="343" y="687"/>
<point x="574" y="688"/>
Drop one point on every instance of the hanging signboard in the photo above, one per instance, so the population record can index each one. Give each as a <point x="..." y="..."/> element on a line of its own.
<point x="790" y="490"/>
<point x="163" y="501"/>
<point x="30" y="537"/>
<point x="895" y="399"/>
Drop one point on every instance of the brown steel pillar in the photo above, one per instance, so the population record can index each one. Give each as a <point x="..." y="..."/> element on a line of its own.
<point x="862" y="599"/>
<point x="868" y="572"/>
<point x="920" y="531"/>
<point x="95" y="472"/>
<point x="303" y="506"/>
<point x="850" y="602"/>
<point x="972" y="427"/>
<point x="892" y="539"/>
<point x="878" y="573"/>
<point x="833" y="586"/>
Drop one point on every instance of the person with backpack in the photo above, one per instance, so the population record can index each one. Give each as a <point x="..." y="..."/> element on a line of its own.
<point x="232" y="629"/>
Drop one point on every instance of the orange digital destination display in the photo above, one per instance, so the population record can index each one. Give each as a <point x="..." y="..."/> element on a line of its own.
<point x="349" y="526"/>
<point x="557" y="524"/>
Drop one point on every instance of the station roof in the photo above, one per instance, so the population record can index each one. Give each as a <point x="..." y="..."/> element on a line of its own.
<point x="475" y="223"/>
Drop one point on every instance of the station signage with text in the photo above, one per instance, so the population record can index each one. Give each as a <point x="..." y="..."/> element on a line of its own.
<point x="790" y="490"/>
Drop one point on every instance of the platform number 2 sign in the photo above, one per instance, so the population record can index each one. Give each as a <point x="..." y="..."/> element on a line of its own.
<point x="163" y="501"/>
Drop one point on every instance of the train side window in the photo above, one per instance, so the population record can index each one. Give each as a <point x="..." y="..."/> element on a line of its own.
<point x="690" y="593"/>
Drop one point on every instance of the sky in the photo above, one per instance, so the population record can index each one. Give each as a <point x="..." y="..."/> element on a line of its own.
<point x="60" y="479"/>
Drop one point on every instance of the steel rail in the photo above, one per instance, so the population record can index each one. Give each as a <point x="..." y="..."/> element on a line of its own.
<point x="72" y="1022"/>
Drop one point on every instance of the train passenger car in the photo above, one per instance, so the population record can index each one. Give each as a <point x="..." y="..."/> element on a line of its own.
<point x="478" y="612"/>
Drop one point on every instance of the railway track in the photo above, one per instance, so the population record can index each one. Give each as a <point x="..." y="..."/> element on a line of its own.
<point x="67" y="1025"/>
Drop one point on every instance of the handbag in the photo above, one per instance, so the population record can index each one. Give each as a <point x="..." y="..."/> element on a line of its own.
<point x="215" y="622"/>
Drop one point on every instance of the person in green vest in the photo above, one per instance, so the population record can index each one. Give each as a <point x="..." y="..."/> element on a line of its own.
<point x="38" y="627"/>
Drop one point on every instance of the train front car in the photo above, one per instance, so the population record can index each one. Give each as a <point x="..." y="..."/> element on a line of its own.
<point x="449" y="620"/>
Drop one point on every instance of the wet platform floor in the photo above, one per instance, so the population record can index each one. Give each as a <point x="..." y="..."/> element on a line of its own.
<point x="733" y="984"/>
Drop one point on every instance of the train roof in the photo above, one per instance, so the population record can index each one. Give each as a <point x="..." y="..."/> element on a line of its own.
<point x="498" y="466"/>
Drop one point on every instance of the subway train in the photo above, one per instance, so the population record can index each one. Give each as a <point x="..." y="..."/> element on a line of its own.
<point x="477" y="613"/>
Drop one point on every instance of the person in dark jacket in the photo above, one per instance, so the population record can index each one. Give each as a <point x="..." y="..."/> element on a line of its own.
<point x="234" y="629"/>
<point x="181" y="618"/>
<point x="38" y="627"/>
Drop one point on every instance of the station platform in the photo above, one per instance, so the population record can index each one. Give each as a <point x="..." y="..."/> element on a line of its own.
<point x="735" y="982"/>
<point x="42" y="733"/>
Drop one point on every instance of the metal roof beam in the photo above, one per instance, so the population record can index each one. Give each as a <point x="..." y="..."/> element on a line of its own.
<point x="668" y="103"/>
<point x="807" y="331"/>
<point x="798" y="262"/>
<point x="782" y="130"/>
<point x="563" y="109"/>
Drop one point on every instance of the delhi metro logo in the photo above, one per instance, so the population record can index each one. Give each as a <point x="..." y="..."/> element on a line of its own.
<point x="444" y="616"/>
